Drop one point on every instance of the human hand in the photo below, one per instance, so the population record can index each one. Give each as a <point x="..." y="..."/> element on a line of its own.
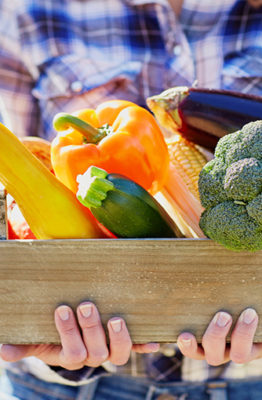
<point x="214" y="349"/>
<point x="86" y="346"/>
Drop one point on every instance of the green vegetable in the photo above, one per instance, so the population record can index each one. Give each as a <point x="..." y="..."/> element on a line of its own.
<point x="230" y="188"/>
<point x="124" y="207"/>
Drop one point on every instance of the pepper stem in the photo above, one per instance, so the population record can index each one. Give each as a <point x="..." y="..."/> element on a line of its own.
<point x="64" y="121"/>
<point x="93" y="187"/>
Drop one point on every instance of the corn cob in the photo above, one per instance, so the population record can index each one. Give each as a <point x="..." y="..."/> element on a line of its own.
<point x="188" y="161"/>
<point x="180" y="196"/>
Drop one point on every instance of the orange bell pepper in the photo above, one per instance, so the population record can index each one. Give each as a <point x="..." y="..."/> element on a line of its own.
<point x="119" y="136"/>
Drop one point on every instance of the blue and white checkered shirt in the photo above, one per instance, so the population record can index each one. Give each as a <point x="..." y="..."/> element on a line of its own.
<point x="64" y="55"/>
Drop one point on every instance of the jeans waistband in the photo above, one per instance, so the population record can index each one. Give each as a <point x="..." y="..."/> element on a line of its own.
<point x="128" y="388"/>
<point x="115" y="387"/>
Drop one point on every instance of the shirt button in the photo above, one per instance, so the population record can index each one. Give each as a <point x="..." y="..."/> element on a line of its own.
<point x="167" y="397"/>
<point x="76" y="86"/>
<point x="177" y="50"/>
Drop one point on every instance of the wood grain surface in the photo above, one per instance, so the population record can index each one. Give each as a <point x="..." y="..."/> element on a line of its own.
<point x="160" y="287"/>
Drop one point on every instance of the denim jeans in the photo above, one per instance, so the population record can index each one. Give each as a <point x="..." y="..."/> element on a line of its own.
<point x="27" y="387"/>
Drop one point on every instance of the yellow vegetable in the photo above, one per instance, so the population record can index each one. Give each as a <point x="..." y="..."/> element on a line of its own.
<point x="180" y="196"/>
<point x="51" y="210"/>
<point x="187" y="160"/>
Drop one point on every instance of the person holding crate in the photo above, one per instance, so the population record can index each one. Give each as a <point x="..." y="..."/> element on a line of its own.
<point x="67" y="55"/>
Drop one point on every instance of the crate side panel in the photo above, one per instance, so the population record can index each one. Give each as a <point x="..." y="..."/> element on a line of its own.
<point x="160" y="287"/>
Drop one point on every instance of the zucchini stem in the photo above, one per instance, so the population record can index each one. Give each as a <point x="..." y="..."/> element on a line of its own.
<point x="93" y="187"/>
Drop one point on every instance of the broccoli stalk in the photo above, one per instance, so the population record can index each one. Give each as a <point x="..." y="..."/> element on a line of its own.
<point x="230" y="188"/>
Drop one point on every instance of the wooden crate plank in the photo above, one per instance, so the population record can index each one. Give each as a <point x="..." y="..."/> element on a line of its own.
<point x="160" y="287"/>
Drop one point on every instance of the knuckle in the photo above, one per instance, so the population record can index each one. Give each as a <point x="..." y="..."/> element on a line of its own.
<point x="212" y="342"/>
<point x="91" y="326"/>
<point x="69" y="330"/>
<point x="75" y="356"/>
<point x="97" y="358"/>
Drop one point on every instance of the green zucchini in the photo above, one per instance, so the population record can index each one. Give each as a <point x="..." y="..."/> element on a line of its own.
<point x="123" y="206"/>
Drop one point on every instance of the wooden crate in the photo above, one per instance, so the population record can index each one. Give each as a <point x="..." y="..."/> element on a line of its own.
<point x="160" y="287"/>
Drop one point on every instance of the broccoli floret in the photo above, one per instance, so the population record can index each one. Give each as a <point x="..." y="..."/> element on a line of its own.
<point x="248" y="143"/>
<point x="230" y="225"/>
<point x="230" y="188"/>
<point x="212" y="177"/>
<point x="245" y="143"/>
<point x="225" y="144"/>
<point x="243" y="179"/>
<point x="254" y="209"/>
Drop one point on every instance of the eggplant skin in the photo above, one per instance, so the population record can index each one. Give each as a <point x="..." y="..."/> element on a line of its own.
<point x="202" y="115"/>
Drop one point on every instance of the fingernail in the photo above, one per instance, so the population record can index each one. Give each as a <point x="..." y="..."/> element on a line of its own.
<point x="186" y="342"/>
<point x="221" y="319"/>
<point x="248" y="316"/>
<point x="63" y="312"/>
<point x="86" y="310"/>
<point x="116" y="325"/>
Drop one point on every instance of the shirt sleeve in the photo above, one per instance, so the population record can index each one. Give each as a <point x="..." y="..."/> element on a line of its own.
<point x="18" y="108"/>
<point x="243" y="72"/>
<point x="242" y="32"/>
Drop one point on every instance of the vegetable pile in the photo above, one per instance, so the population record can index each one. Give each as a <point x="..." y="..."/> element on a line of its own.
<point x="114" y="171"/>
<point x="230" y="189"/>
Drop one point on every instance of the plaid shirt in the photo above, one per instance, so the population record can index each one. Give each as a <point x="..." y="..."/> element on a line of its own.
<point x="59" y="55"/>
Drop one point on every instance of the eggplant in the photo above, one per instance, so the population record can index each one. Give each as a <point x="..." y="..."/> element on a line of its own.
<point x="203" y="116"/>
